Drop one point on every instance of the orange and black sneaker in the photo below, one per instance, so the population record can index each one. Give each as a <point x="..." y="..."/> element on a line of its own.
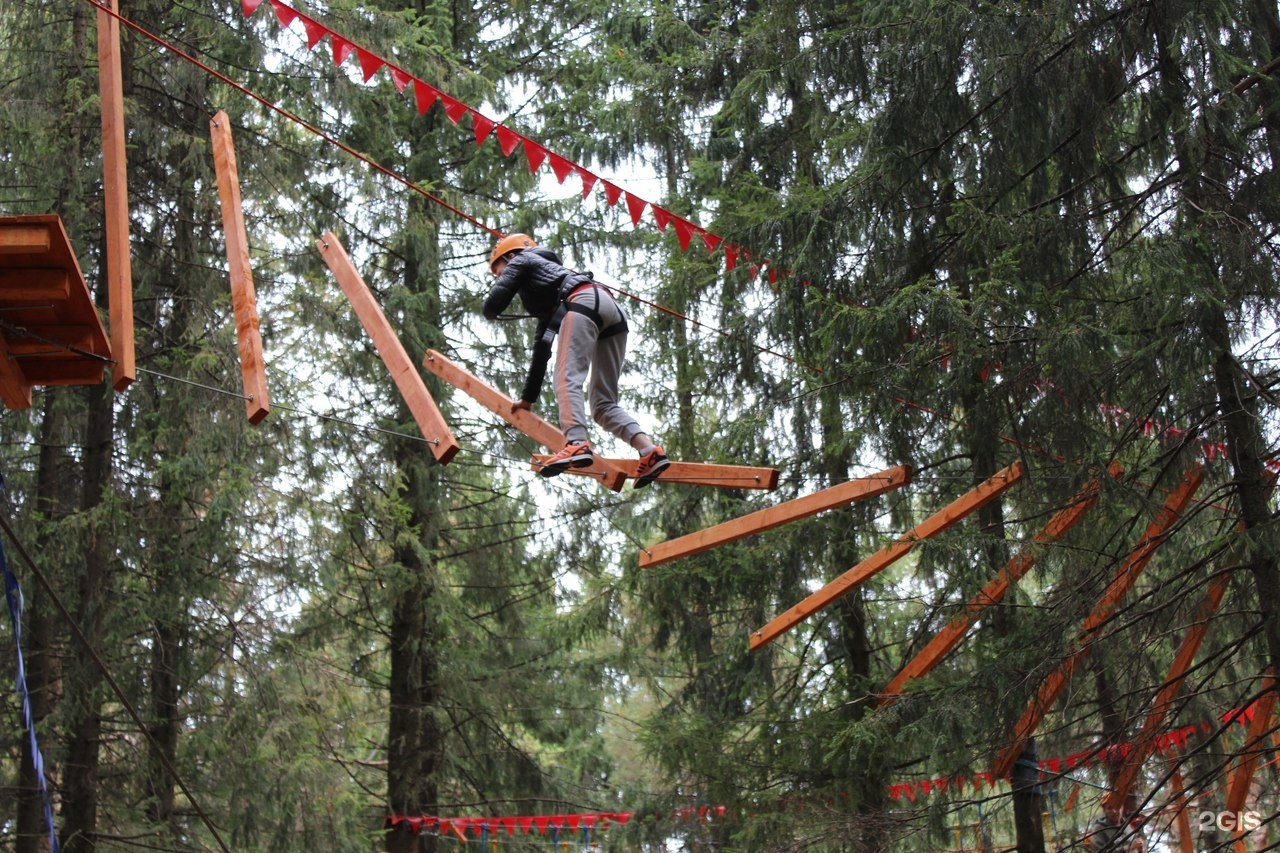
<point x="651" y="465"/>
<point x="575" y="454"/>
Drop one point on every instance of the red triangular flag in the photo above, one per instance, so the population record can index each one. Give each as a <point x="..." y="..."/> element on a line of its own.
<point x="400" y="78"/>
<point x="315" y="32"/>
<point x="250" y="6"/>
<point x="588" y="180"/>
<point x="508" y="139"/>
<point x="730" y="257"/>
<point x="612" y="192"/>
<point x="711" y="240"/>
<point x="535" y="154"/>
<point x="573" y="820"/>
<point x="341" y="48"/>
<point x="369" y="63"/>
<point x="483" y="127"/>
<point x="662" y="217"/>
<point x="560" y="166"/>
<point x="455" y="110"/>
<point x="589" y="820"/>
<point x="773" y="276"/>
<point x="286" y="14"/>
<point x="636" y="206"/>
<point x="684" y="232"/>
<point x="425" y="96"/>
<point x="541" y="820"/>
<point x="622" y="817"/>
<point x="524" y="823"/>
<point x="509" y="824"/>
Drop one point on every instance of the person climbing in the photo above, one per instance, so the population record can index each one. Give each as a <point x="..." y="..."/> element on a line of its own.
<point x="1118" y="829"/>
<point x="592" y="337"/>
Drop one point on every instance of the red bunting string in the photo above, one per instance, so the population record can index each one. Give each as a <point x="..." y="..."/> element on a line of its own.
<point x="526" y="824"/>
<point x="426" y="95"/>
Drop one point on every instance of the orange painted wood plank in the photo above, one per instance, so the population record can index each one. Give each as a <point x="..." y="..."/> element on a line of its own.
<point x="25" y="239"/>
<point x="776" y="516"/>
<point x="1186" y="843"/>
<point x="1121" y="583"/>
<point x="948" y="517"/>
<point x="949" y="637"/>
<point x="525" y="421"/>
<point x="687" y="473"/>
<point x="34" y="285"/>
<point x="1144" y="742"/>
<point x="1251" y="752"/>
<point x="116" y="198"/>
<point x="708" y="474"/>
<point x="15" y="388"/>
<point x="244" y="302"/>
<point x="423" y="408"/>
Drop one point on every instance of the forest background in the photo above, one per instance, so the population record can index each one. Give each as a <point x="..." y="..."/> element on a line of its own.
<point x="998" y="232"/>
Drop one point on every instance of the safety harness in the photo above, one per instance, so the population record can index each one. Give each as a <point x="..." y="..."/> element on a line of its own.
<point x="592" y="312"/>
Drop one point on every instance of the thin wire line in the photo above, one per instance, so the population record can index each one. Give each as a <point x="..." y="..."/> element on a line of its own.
<point x="111" y="681"/>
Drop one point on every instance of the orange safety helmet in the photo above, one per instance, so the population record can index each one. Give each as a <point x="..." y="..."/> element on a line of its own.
<point x="510" y="243"/>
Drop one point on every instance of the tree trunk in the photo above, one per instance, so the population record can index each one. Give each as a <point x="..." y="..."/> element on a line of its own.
<point x="84" y="724"/>
<point x="31" y="835"/>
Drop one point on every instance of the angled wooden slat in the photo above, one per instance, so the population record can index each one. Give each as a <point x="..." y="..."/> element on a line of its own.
<point x="1120" y="585"/>
<point x="949" y="637"/>
<point x="948" y="517"/>
<point x="843" y="494"/>
<point x="1145" y="741"/>
<point x="414" y="391"/>
<point x="244" y="302"/>
<point x="116" y="198"/>
<point x="1178" y="802"/>
<point x="525" y="421"/>
<point x="1251" y="752"/>
<point x="25" y="239"/>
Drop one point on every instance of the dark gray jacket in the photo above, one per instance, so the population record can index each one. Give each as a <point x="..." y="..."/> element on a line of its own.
<point x="542" y="282"/>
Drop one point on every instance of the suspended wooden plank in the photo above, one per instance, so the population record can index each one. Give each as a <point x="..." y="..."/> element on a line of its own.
<point x="244" y="302"/>
<point x="414" y="391"/>
<point x="49" y="327"/>
<point x="701" y="474"/>
<point x="525" y="421"/>
<point x="885" y="557"/>
<point x="1247" y="762"/>
<point x="1120" y="584"/>
<point x="1145" y="741"/>
<point x="115" y="198"/>
<point x="843" y="494"/>
<point x="949" y="637"/>
<point x="1178" y="802"/>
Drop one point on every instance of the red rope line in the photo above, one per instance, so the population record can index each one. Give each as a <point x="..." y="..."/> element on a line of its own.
<point x="293" y="118"/>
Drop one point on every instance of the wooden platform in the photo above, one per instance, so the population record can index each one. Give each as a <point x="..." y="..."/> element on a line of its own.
<point x="50" y="331"/>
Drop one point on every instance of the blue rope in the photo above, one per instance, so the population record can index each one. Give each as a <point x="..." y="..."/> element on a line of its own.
<point x="13" y="595"/>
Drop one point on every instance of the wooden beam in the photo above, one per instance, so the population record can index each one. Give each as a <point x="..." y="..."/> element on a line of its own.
<point x="432" y="424"/>
<point x="25" y="240"/>
<point x="776" y="516"/>
<point x="948" y="517"/>
<point x="708" y="474"/>
<point x="949" y="637"/>
<point x="115" y="198"/>
<point x="15" y="388"/>
<point x="525" y="421"/>
<point x="1144" y="742"/>
<point x="1120" y="585"/>
<point x="244" y="302"/>
<point x="34" y="285"/>
<point x="1250" y="753"/>
<point x="1178" y="802"/>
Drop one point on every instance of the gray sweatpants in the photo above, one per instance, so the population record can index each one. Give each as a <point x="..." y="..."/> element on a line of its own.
<point x="581" y="350"/>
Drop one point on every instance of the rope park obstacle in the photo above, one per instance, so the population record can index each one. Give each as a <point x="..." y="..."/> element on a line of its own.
<point x="52" y="335"/>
